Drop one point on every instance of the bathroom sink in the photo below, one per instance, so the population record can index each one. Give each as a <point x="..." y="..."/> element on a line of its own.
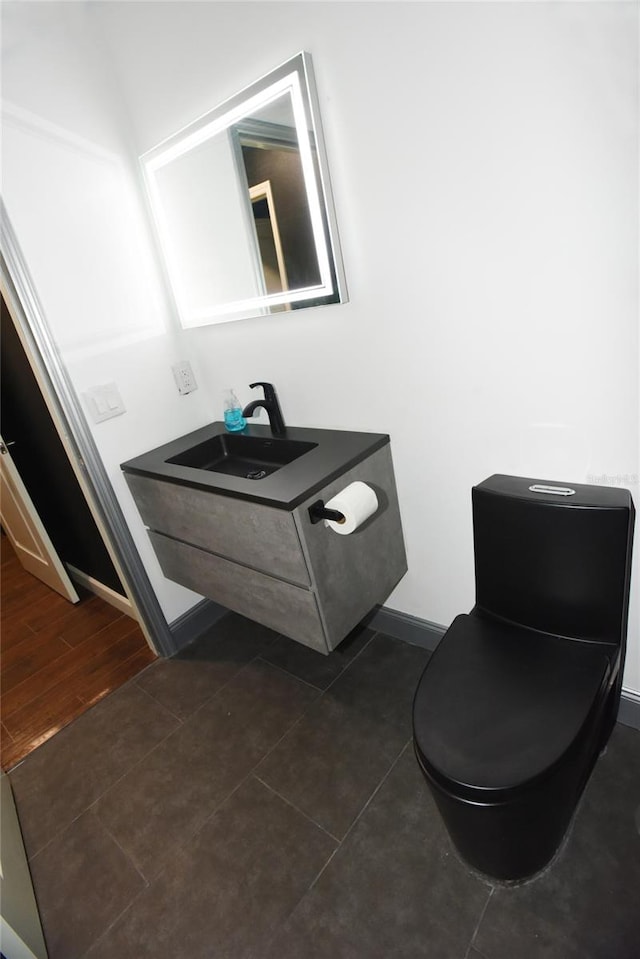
<point x="250" y="457"/>
<point x="292" y="467"/>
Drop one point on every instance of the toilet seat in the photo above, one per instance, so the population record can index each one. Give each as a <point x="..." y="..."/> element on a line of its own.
<point x="499" y="706"/>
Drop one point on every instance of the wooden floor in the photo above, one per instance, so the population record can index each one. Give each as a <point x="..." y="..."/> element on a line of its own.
<point x="58" y="659"/>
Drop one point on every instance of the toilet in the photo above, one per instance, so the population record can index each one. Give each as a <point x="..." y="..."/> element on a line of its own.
<point x="520" y="696"/>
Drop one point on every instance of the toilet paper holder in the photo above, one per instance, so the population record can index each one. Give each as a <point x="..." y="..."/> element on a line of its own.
<point x="318" y="511"/>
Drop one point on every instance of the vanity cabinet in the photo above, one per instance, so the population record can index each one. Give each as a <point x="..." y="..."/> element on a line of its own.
<point x="245" y="556"/>
<point x="273" y="564"/>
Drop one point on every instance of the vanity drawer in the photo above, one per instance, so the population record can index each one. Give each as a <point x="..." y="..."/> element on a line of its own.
<point x="252" y="534"/>
<point x="283" y="607"/>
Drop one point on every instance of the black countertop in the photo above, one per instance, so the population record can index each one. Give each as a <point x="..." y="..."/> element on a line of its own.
<point x="336" y="452"/>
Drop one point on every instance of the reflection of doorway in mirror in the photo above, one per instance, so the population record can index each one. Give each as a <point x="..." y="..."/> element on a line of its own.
<point x="269" y="243"/>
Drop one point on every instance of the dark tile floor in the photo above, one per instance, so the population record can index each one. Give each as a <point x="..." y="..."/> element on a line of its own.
<point x="254" y="799"/>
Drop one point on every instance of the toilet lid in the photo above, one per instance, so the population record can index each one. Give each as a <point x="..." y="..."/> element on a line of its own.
<point x="498" y="705"/>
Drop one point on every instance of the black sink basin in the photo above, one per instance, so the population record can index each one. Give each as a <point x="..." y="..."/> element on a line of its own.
<point x="251" y="457"/>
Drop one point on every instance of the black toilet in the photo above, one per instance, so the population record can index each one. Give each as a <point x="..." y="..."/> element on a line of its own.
<point x="522" y="693"/>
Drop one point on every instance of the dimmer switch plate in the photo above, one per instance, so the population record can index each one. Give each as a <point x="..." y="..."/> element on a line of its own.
<point x="103" y="402"/>
<point x="183" y="375"/>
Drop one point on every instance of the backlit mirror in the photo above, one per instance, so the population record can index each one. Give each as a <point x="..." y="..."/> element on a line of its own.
<point x="242" y="205"/>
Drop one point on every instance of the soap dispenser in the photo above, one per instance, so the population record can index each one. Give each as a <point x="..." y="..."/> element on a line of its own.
<point x="233" y="418"/>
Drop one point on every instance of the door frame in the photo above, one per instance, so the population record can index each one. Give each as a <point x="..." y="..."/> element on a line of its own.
<point x="20" y="927"/>
<point x="69" y="419"/>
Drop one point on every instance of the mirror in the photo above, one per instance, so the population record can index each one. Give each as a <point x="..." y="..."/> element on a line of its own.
<point x="241" y="202"/>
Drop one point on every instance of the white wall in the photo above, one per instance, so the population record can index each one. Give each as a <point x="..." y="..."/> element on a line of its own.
<point x="484" y="164"/>
<point x="73" y="197"/>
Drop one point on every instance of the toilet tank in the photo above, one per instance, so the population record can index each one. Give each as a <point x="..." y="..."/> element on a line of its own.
<point x="554" y="557"/>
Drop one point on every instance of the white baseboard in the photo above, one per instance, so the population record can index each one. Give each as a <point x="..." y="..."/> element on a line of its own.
<point x="104" y="592"/>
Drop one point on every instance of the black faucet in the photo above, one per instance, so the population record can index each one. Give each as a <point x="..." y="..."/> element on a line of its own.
<point x="271" y="405"/>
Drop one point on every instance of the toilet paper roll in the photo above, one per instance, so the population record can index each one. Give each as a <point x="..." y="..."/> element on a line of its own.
<point x="357" y="502"/>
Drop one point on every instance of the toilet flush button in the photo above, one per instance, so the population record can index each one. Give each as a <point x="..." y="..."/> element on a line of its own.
<point x="555" y="490"/>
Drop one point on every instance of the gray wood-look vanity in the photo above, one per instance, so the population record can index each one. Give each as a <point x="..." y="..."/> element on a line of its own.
<point x="251" y="545"/>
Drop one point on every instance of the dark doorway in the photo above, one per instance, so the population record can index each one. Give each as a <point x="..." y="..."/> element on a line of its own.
<point x="44" y="467"/>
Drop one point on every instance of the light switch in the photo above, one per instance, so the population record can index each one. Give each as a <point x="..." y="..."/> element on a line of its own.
<point x="103" y="402"/>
